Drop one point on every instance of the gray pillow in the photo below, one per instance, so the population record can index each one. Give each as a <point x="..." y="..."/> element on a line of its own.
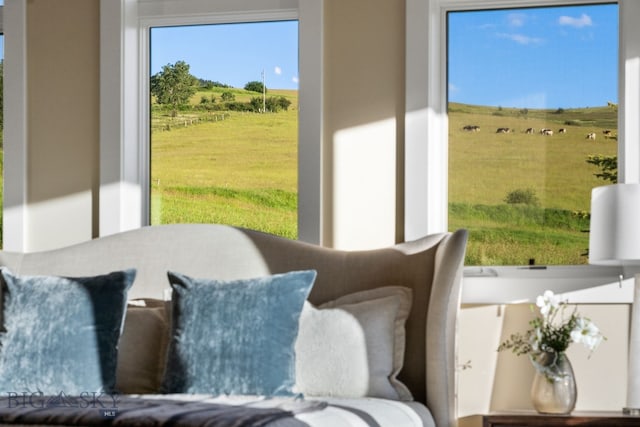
<point x="354" y="346"/>
<point x="235" y="337"/>
<point x="61" y="333"/>
<point x="142" y="348"/>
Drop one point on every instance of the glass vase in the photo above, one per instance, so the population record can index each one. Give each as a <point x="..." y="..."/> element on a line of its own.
<point x="554" y="386"/>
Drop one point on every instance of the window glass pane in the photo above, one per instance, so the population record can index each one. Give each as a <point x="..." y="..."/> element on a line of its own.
<point x="227" y="152"/>
<point x="532" y="96"/>
<point x="1" y="131"/>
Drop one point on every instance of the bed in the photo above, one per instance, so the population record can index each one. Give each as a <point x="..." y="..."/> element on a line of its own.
<point x="400" y="303"/>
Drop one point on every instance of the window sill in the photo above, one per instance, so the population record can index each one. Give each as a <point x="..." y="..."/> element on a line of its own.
<point x="583" y="284"/>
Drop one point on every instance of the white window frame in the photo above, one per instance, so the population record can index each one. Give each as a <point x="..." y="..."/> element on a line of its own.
<point x="426" y="130"/>
<point x="124" y="134"/>
<point x="15" y="125"/>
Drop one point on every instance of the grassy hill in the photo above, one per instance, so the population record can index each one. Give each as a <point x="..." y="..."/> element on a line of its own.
<point x="485" y="166"/>
<point x="218" y="165"/>
<point x="241" y="168"/>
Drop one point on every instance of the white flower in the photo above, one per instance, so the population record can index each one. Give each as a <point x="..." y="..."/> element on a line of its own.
<point x="536" y="340"/>
<point x="548" y="303"/>
<point x="587" y="333"/>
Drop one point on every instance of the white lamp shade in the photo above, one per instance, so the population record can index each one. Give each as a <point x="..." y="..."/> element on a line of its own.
<point x="614" y="235"/>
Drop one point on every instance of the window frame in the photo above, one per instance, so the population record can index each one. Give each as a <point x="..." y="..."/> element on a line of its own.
<point x="426" y="104"/>
<point x="149" y="21"/>
<point x="15" y="126"/>
<point x="124" y="135"/>
<point x="426" y="192"/>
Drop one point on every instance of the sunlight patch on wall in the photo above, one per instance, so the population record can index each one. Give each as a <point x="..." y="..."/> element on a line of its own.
<point x="120" y="207"/>
<point x="59" y="221"/>
<point x="364" y="204"/>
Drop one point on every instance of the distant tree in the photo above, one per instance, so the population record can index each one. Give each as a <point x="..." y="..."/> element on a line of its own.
<point x="256" y="104"/>
<point x="278" y="103"/>
<point x="254" y="86"/>
<point x="210" y="84"/>
<point x="227" y="96"/>
<point x="272" y="103"/>
<point x="207" y="84"/>
<point x="173" y="86"/>
<point x="559" y="111"/>
<point x="608" y="167"/>
<point x="522" y="196"/>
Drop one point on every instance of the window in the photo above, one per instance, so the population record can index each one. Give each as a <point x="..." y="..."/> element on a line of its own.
<point x="527" y="118"/>
<point x="1" y="116"/>
<point x="124" y="160"/>
<point x="426" y="124"/>
<point x="1" y="123"/>
<point x="226" y="152"/>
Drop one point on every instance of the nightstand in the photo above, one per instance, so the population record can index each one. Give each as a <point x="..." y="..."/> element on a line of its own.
<point x="533" y="419"/>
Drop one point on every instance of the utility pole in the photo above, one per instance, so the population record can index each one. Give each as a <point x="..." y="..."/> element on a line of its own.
<point x="264" y="94"/>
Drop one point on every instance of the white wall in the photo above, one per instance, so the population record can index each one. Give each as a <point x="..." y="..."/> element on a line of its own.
<point x="501" y="381"/>
<point x="491" y="381"/>
<point x="57" y="148"/>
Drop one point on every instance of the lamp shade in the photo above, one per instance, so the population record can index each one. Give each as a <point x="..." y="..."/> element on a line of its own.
<point x="614" y="235"/>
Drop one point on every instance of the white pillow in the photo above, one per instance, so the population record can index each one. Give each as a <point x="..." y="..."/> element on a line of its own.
<point x="354" y="346"/>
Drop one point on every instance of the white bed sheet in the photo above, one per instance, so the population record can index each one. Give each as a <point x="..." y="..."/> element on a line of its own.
<point x="368" y="412"/>
<point x="340" y="412"/>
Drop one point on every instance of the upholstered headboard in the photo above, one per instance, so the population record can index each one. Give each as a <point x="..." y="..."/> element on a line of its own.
<point x="431" y="266"/>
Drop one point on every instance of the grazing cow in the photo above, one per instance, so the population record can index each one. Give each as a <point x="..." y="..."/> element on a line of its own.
<point x="562" y="130"/>
<point x="591" y="135"/>
<point x="606" y="132"/>
<point x="547" y="132"/>
<point x="530" y="130"/>
<point x="471" y="128"/>
<point x="503" y="130"/>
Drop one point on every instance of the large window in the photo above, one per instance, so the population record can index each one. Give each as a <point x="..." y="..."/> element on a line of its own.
<point x="1" y="117"/>
<point x="125" y="175"/>
<point x="533" y="119"/>
<point x="224" y="125"/>
<point x="1" y="126"/>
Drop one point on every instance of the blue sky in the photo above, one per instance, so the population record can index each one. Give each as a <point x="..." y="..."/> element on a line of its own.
<point x="232" y="54"/>
<point x="554" y="57"/>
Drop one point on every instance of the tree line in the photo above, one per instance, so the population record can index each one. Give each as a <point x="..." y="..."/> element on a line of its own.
<point x="174" y="86"/>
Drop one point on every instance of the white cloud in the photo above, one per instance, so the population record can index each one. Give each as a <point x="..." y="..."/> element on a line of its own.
<point x="516" y="19"/>
<point x="583" y="21"/>
<point x="277" y="70"/>
<point x="486" y="27"/>
<point x="453" y="88"/>
<point x="295" y="79"/>
<point x="520" y="38"/>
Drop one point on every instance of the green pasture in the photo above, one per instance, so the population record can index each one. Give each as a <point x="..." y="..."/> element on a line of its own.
<point x="236" y="168"/>
<point x="485" y="166"/>
<point x="216" y="165"/>
<point x="1" y="184"/>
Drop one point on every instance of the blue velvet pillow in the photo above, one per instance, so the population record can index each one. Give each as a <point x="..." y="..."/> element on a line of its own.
<point x="60" y="333"/>
<point x="235" y="337"/>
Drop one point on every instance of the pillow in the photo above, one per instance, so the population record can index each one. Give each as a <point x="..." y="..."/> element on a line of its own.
<point x="142" y="347"/>
<point x="354" y="346"/>
<point x="61" y="333"/>
<point x="235" y="337"/>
